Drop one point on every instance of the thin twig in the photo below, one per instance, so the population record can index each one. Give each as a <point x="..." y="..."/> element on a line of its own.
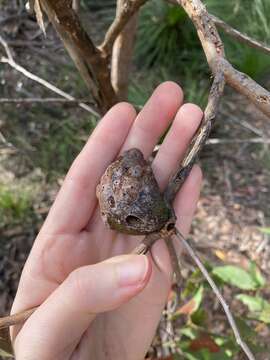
<point x="214" y="52"/>
<point x="214" y="141"/>
<point x="175" y="264"/>
<point x="40" y="100"/>
<point x="245" y="85"/>
<point x="243" y="38"/>
<point x="48" y="85"/>
<point x="219" y="141"/>
<point x="15" y="319"/>
<point x="242" y="122"/>
<point x="218" y="294"/>
<point x="6" y="143"/>
<point x="10" y="61"/>
<point x="198" y="142"/>
<point x="6" y="48"/>
<point x="236" y="34"/>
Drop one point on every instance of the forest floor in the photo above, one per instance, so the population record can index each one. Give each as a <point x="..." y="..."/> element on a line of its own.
<point x="42" y="140"/>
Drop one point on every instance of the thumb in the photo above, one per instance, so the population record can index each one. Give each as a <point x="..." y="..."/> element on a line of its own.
<point x="56" y="327"/>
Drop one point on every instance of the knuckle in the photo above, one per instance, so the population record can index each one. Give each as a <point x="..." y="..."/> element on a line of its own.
<point x="78" y="286"/>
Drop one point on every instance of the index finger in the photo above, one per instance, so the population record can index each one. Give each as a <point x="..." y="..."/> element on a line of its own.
<point x="76" y="199"/>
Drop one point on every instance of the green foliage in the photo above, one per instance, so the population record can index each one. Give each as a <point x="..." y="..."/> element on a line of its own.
<point x="52" y="144"/>
<point x="252" y="18"/>
<point x="258" y="307"/>
<point x="165" y="27"/>
<point x="197" y="343"/>
<point x="15" y="204"/>
<point x="265" y="230"/>
<point x="58" y="147"/>
<point x="238" y="277"/>
<point x="167" y="39"/>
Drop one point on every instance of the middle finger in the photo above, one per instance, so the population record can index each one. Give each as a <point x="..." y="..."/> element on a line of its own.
<point x="154" y="118"/>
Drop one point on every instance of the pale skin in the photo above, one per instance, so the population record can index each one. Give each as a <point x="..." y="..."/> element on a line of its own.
<point x="95" y="302"/>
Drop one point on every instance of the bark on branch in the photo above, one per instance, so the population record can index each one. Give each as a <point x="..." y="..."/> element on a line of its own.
<point x="245" y="85"/>
<point x="88" y="59"/>
<point x="199" y="140"/>
<point x="129" y="8"/>
<point x="122" y="54"/>
<point x="243" y="38"/>
<point x="214" y="52"/>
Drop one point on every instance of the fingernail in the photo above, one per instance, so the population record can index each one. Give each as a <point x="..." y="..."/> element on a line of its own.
<point x="132" y="271"/>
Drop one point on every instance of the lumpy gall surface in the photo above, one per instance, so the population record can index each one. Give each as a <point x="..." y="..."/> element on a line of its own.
<point x="129" y="197"/>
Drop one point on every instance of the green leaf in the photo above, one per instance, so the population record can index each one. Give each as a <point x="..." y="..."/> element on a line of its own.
<point x="257" y="275"/>
<point x="265" y="316"/>
<point x="189" y="332"/>
<point x="198" y="297"/>
<point x="236" y="276"/>
<point x="265" y="230"/>
<point x="259" y="308"/>
<point x="199" y="317"/>
<point x="192" y="305"/>
<point x="254" y="303"/>
<point x="176" y="15"/>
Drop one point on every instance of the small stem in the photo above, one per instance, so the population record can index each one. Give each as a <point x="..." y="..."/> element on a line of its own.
<point x="146" y="244"/>
<point x="218" y="294"/>
<point x="199" y="140"/>
<point x="16" y="319"/>
<point x="175" y="265"/>
<point x="243" y="38"/>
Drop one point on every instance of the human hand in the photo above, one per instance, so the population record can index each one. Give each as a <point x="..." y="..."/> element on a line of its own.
<point x="93" y="302"/>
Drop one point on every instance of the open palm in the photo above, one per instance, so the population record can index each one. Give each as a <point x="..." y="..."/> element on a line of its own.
<point x="85" y="313"/>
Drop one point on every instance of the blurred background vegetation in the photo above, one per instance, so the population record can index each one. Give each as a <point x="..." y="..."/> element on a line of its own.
<point x="41" y="140"/>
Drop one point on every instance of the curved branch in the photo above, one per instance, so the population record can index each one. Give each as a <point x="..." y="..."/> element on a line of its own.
<point x="207" y="32"/>
<point x="92" y="65"/>
<point x="11" y="62"/>
<point x="243" y="38"/>
<point x="198" y="142"/>
<point x="214" y="51"/>
<point x="129" y="8"/>
<point x="245" y="85"/>
<point x="122" y="55"/>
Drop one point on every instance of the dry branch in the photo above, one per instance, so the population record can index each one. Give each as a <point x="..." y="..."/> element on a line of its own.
<point x="243" y="38"/>
<point x="130" y="7"/>
<point x="16" y="318"/>
<point x="122" y="54"/>
<point x="216" y="141"/>
<point x="10" y="61"/>
<point x="92" y="65"/>
<point x="199" y="140"/>
<point x="242" y="83"/>
<point x="76" y="4"/>
<point x="205" y="25"/>
<point x="236" y="34"/>
<point x="40" y="100"/>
